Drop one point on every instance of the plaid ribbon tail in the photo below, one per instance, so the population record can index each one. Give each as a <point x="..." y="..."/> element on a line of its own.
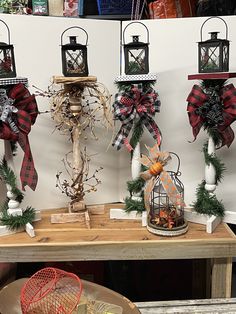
<point x="152" y="127"/>
<point x="227" y="136"/>
<point x="28" y="174"/>
<point x="122" y="137"/>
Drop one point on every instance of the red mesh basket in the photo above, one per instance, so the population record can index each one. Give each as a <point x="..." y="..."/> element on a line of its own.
<point x="51" y="291"/>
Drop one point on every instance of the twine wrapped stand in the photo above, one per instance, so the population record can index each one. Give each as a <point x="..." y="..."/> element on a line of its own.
<point x="77" y="209"/>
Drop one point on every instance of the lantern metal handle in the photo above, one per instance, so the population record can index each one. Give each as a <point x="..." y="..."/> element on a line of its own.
<point x="78" y="28"/>
<point x="8" y="31"/>
<point x="216" y="17"/>
<point x="177" y="172"/>
<point x="137" y="23"/>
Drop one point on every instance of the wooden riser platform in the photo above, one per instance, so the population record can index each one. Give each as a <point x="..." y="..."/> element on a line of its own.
<point x="123" y="240"/>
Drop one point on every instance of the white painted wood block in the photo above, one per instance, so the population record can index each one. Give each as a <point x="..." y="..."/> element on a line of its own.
<point x="119" y="213"/>
<point x="30" y="230"/>
<point x="144" y="219"/>
<point x="192" y="216"/>
<point x="5" y="231"/>
<point x="211" y="222"/>
<point x="37" y="215"/>
<point x="15" y="211"/>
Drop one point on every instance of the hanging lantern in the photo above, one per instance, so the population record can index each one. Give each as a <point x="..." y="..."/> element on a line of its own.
<point x="74" y="55"/>
<point x="7" y="60"/>
<point x="213" y="53"/>
<point x="136" y="54"/>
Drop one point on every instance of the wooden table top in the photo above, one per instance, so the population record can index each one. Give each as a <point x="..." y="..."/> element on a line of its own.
<point x="112" y="240"/>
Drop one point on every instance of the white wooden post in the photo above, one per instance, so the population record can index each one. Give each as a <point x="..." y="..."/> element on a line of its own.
<point x="135" y="169"/>
<point x="210" y="172"/>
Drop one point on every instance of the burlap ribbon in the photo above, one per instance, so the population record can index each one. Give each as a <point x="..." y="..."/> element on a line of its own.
<point x="132" y="105"/>
<point x="15" y="125"/>
<point x="155" y="156"/>
<point x="214" y="109"/>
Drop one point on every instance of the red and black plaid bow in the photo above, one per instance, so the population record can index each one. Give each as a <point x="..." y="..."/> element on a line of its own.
<point x="23" y="118"/>
<point x="197" y="98"/>
<point x="130" y="105"/>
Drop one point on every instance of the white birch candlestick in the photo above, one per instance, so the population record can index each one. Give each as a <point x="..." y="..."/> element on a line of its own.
<point x="77" y="168"/>
<point x="210" y="172"/>
<point x="135" y="169"/>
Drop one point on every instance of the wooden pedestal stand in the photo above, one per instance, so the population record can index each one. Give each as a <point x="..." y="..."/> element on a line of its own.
<point x="118" y="213"/>
<point x="211" y="222"/>
<point x="77" y="211"/>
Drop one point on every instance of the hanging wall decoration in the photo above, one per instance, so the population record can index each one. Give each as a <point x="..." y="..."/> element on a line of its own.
<point x="211" y="107"/>
<point x="135" y="106"/>
<point x="163" y="194"/>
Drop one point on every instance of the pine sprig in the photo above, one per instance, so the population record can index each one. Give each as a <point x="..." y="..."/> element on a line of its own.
<point x="135" y="186"/>
<point x="216" y="162"/>
<point x="136" y="135"/>
<point x="125" y="86"/>
<point x="28" y="215"/>
<point x="7" y="175"/>
<point x="16" y="222"/>
<point x="131" y="205"/>
<point x="207" y="203"/>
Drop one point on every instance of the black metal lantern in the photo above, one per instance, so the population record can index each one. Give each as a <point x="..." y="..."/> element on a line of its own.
<point x="74" y="55"/>
<point x="136" y="54"/>
<point x="7" y="60"/>
<point x="213" y="53"/>
<point x="165" y="218"/>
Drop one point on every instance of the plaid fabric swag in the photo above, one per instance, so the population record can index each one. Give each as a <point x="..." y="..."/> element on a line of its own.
<point x="197" y="98"/>
<point x="25" y="116"/>
<point x="134" y="104"/>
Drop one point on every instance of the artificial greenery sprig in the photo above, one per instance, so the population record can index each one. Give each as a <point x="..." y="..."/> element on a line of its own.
<point x="216" y="162"/>
<point x="28" y="215"/>
<point x="207" y="203"/>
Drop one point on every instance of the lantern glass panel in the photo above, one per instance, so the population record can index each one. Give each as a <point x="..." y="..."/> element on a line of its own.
<point x="75" y="62"/>
<point x="210" y="58"/>
<point x="136" y="63"/>
<point x="7" y="62"/>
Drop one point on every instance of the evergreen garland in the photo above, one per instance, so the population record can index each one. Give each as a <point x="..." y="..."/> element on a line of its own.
<point x="216" y="162"/>
<point x="17" y="222"/>
<point x="207" y="203"/>
<point x="125" y="86"/>
<point x="131" y="205"/>
<point x="135" y="186"/>
<point x="7" y="175"/>
<point x="28" y="215"/>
